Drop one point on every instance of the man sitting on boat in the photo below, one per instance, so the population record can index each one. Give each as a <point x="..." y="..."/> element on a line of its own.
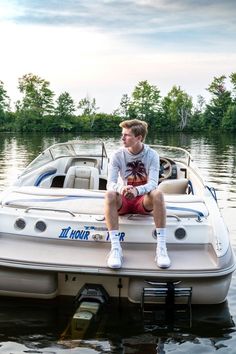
<point x="138" y="167"/>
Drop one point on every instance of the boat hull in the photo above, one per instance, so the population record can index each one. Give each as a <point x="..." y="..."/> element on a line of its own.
<point x="45" y="253"/>
<point x="28" y="283"/>
<point x="48" y="285"/>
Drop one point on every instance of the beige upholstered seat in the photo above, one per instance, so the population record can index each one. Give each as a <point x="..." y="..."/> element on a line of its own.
<point x="82" y="161"/>
<point x="82" y="177"/>
<point x="174" y="186"/>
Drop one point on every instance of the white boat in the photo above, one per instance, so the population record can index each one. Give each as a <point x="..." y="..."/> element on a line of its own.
<point x="53" y="236"/>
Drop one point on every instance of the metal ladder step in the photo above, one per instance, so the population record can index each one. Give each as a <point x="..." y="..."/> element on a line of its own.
<point x="169" y="291"/>
<point x="166" y="302"/>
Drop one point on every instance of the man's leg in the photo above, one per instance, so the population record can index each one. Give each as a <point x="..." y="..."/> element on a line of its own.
<point x="112" y="204"/>
<point x="155" y="201"/>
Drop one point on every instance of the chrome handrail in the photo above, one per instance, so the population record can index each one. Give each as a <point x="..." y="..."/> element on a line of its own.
<point x="50" y="209"/>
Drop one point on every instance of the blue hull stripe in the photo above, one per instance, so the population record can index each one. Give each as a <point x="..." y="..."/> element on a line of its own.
<point x="71" y="197"/>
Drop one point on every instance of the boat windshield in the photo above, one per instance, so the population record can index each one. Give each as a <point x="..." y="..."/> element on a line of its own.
<point x="69" y="149"/>
<point x="175" y="153"/>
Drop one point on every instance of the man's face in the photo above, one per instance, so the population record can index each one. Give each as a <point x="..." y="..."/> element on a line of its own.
<point x="129" y="139"/>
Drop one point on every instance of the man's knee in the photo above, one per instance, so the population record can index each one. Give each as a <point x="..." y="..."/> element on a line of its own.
<point x="111" y="197"/>
<point x="158" y="197"/>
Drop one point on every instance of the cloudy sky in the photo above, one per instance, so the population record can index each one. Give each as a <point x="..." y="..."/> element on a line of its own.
<point x="103" y="48"/>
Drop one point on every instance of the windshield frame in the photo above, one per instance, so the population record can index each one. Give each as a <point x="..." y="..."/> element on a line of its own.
<point x="68" y="149"/>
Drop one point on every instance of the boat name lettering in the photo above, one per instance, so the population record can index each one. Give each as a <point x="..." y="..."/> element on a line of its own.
<point x="121" y="236"/>
<point x="95" y="228"/>
<point x="74" y="234"/>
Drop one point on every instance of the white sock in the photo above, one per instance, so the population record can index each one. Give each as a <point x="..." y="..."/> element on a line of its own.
<point x="115" y="238"/>
<point x="161" y="237"/>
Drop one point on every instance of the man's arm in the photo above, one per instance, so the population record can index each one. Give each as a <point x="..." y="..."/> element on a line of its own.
<point x="153" y="175"/>
<point x="113" y="174"/>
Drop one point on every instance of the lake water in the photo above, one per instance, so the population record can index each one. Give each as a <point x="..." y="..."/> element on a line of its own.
<point x="30" y="326"/>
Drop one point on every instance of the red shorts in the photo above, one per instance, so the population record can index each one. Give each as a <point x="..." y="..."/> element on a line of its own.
<point x="133" y="206"/>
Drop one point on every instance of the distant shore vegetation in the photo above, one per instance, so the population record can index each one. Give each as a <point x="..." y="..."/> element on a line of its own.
<point x="39" y="109"/>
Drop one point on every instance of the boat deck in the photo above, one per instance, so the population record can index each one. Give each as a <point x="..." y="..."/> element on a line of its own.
<point x="90" y="257"/>
<point x="78" y="201"/>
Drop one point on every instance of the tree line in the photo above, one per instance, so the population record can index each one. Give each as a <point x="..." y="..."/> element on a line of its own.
<point x="39" y="110"/>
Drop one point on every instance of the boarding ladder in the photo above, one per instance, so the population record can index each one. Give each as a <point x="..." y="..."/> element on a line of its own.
<point x="165" y="302"/>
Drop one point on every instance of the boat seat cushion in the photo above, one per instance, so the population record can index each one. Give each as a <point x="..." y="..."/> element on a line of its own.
<point x="82" y="177"/>
<point x="174" y="186"/>
<point x="82" y="161"/>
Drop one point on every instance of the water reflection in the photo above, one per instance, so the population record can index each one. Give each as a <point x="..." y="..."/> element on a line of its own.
<point x="38" y="325"/>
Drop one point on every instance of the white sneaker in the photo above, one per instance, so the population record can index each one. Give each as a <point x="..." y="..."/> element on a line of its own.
<point x="162" y="258"/>
<point x="115" y="258"/>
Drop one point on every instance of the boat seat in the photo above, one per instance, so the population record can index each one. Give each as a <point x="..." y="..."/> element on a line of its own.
<point x="82" y="177"/>
<point x="174" y="186"/>
<point x="81" y="161"/>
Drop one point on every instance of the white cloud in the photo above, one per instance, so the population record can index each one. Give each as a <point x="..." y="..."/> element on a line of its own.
<point x="102" y="60"/>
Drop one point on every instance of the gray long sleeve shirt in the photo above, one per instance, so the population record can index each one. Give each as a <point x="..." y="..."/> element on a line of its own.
<point x="140" y="170"/>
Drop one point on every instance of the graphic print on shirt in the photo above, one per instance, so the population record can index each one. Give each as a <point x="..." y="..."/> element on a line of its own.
<point x="136" y="173"/>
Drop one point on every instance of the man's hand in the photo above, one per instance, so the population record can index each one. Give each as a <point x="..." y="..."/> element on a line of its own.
<point x="129" y="192"/>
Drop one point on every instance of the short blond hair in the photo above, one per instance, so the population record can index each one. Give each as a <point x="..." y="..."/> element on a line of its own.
<point x="138" y="127"/>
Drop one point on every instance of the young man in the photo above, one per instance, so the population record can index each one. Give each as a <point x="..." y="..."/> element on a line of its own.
<point x="138" y="166"/>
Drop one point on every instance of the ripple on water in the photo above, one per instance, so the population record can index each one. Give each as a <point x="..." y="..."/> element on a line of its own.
<point x="89" y="347"/>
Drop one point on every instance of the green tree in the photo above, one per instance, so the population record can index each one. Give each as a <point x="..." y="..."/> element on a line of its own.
<point x="106" y="123"/>
<point x="196" y="120"/>
<point x="64" y="112"/>
<point x="89" y="109"/>
<point x="229" y="119"/>
<point x="165" y="121"/>
<point x="219" y="103"/>
<point x="4" y="103"/>
<point x="124" y="108"/>
<point x="37" y="102"/>
<point x="145" y="103"/>
<point x="233" y="82"/>
<point x="177" y="108"/>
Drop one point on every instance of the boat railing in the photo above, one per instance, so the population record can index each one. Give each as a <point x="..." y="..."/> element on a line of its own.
<point x="50" y="209"/>
<point x="177" y="153"/>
